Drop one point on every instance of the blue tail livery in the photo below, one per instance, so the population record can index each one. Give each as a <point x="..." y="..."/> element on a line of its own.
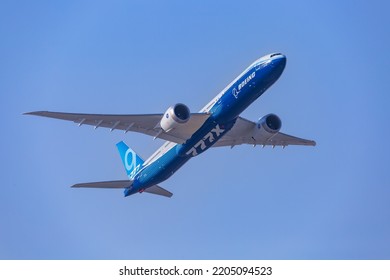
<point x="187" y="135"/>
<point x="130" y="159"/>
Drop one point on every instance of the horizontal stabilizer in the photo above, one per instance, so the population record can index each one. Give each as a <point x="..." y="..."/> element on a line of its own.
<point x="159" y="191"/>
<point x="105" y="185"/>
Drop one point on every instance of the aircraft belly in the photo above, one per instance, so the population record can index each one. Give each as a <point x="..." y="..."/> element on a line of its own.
<point x="160" y="170"/>
<point x="204" y="138"/>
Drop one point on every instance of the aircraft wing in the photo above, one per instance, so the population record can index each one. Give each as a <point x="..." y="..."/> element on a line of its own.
<point x="242" y="133"/>
<point x="146" y="124"/>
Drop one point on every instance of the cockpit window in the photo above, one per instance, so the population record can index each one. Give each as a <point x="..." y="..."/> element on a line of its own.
<point x="262" y="64"/>
<point x="275" y="54"/>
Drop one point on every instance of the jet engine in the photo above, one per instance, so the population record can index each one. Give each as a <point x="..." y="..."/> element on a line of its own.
<point x="175" y="115"/>
<point x="268" y="125"/>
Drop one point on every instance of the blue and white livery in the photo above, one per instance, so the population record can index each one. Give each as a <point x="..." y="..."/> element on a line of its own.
<point x="190" y="134"/>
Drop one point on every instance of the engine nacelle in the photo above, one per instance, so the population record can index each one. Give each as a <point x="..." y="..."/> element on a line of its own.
<point x="268" y="125"/>
<point x="175" y="115"/>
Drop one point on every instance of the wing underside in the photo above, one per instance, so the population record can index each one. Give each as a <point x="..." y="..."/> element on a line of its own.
<point x="146" y="123"/>
<point x="242" y="133"/>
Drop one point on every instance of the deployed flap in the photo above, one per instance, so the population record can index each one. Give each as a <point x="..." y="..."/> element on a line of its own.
<point x="146" y="124"/>
<point x="242" y="133"/>
<point x="159" y="191"/>
<point x="105" y="185"/>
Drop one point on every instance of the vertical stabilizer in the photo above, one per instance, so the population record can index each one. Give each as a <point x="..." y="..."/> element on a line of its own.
<point x="130" y="159"/>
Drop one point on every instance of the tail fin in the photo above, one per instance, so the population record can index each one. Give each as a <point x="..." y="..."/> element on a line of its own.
<point x="130" y="159"/>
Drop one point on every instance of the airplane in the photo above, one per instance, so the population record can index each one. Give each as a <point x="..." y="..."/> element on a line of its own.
<point x="187" y="134"/>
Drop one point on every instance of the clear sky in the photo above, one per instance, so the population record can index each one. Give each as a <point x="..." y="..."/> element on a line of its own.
<point x="326" y="202"/>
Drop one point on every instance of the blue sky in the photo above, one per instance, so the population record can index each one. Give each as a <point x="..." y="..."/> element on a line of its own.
<point x="327" y="202"/>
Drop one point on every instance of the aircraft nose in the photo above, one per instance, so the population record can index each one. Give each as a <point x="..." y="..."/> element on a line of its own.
<point x="279" y="62"/>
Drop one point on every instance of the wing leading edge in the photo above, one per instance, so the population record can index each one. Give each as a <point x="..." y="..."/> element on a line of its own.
<point x="146" y="123"/>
